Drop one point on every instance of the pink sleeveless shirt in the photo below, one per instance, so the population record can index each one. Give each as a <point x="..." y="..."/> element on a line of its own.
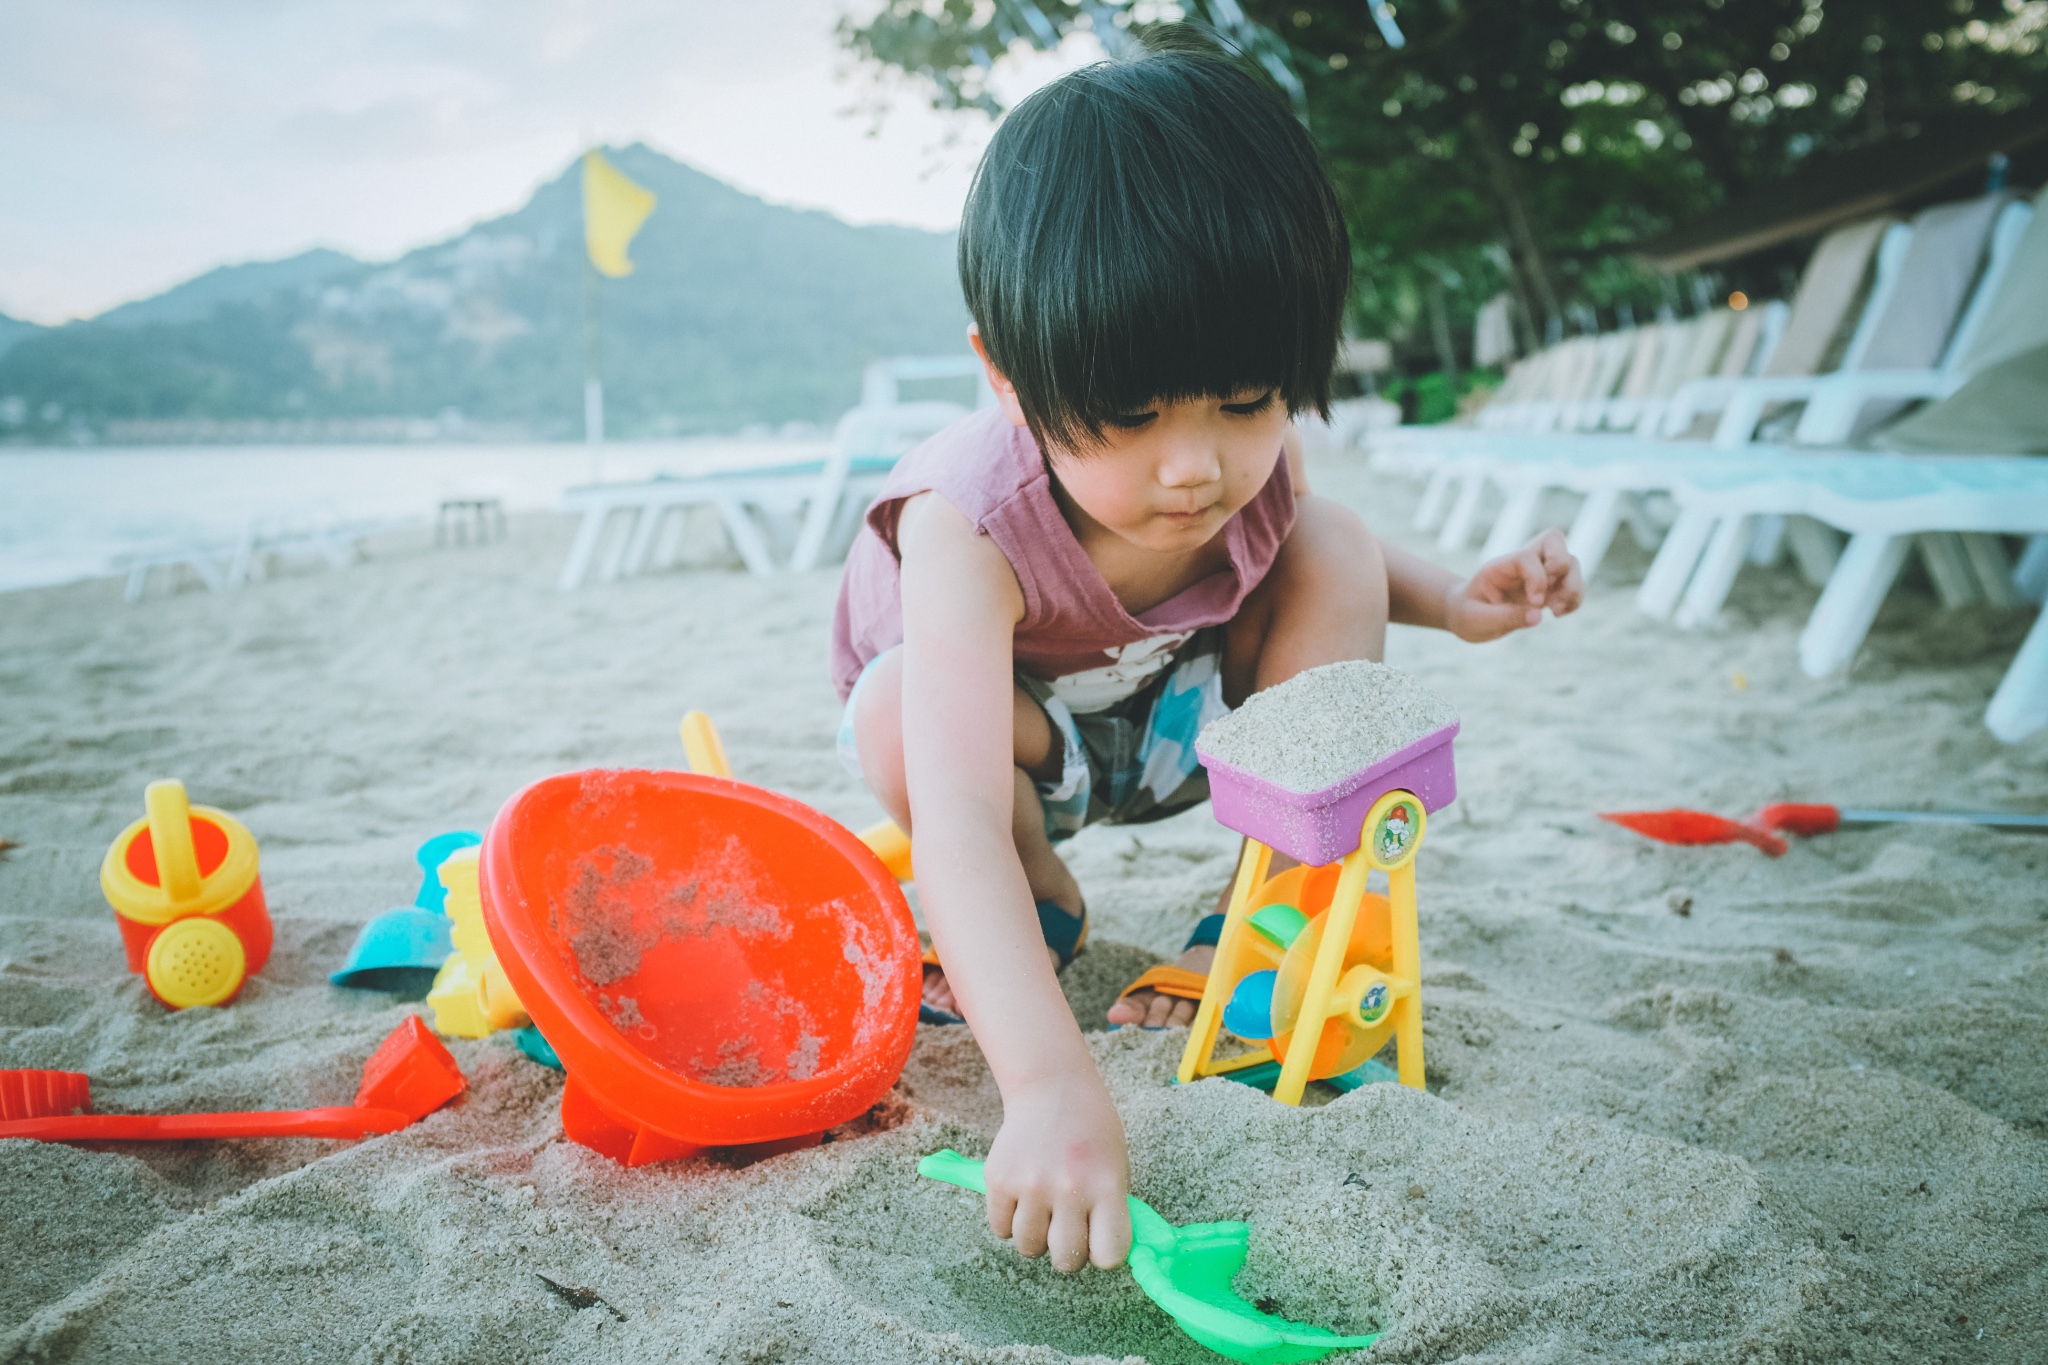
<point x="1074" y="634"/>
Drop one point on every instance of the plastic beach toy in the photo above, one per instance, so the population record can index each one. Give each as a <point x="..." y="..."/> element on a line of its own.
<point x="714" y="964"/>
<point x="184" y="886"/>
<point x="706" y="754"/>
<point x="409" y="1076"/>
<point x="471" y="996"/>
<point x="1309" y="962"/>
<point x="1766" y="828"/>
<point x="1188" y="1272"/>
<point x="401" y="949"/>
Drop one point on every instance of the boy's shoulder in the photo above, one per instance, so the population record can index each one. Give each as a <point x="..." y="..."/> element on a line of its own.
<point x="977" y="463"/>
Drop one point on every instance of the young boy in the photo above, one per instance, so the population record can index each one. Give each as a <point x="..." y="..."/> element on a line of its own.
<point x="1050" y="598"/>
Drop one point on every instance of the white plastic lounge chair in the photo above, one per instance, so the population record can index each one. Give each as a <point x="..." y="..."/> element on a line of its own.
<point x="822" y="499"/>
<point x="224" y="566"/>
<point x="1912" y="312"/>
<point x="1828" y="291"/>
<point x="1924" y="275"/>
<point x="2007" y="315"/>
<point x="1952" y="508"/>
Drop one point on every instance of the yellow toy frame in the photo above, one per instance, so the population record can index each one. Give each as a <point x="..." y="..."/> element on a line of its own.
<point x="1388" y="840"/>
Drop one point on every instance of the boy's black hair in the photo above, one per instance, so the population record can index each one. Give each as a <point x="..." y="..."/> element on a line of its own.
<point x="1148" y="230"/>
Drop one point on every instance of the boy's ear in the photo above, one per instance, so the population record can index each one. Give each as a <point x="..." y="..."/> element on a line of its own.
<point x="1006" y="392"/>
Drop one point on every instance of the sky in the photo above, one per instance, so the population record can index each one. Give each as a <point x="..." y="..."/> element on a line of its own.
<point x="145" y="141"/>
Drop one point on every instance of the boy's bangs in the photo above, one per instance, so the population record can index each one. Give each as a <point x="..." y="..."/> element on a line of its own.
<point x="1149" y="231"/>
<point x="1220" y="329"/>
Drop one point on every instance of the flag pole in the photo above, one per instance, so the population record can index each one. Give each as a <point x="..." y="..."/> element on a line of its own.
<point x="593" y="369"/>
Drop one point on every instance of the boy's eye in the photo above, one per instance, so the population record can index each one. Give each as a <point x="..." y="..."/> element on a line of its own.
<point x="1129" y="421"/>
<point x="1252" y="407"/>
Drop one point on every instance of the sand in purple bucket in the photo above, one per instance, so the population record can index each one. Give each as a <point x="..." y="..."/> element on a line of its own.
<point x="1321" y="726"/>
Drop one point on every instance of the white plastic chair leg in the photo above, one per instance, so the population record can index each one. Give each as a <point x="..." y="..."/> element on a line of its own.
<point x="2030" y="576"/>
<point x="1436" y="500"/>
<point x="577" y="567"/>
<point x="1594" y="528"/>
<point x="1739" y="419"/>
<point x="746" y="536"/>
<point x="2020" y="705"/>
<point x="1992" y="568"/>
<point x="613" y="560"/>
<point x="1457" y="532"/>
<point x="1673" y="566"/>
<point x="1767" y="543"/>
<point x="1816" y="548"/>
<point x="1850" y="601"/>
<point x="634" y="561"/>
<point x="1516" y="522"/>
<point x="1715" y="576"/>
<point x="1949" y="567"/>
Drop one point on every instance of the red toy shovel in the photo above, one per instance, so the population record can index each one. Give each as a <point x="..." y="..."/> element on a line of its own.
<point x="409" y="1076"/>
<point x="1695" y="827"/>
<point x="1700" y="827"/>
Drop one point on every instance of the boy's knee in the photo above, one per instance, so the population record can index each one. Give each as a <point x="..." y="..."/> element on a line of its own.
<point x="878" y="731"/>
<point x="1330" y="547"/>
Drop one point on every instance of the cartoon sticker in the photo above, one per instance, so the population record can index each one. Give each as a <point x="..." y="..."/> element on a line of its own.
<point x="1393" y="837"/>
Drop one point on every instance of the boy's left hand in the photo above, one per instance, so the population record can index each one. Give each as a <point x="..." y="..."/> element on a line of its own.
<point x="1510" y="593"/>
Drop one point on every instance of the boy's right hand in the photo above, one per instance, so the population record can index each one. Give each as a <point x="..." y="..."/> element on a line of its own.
<point x="1058" y="1174"/>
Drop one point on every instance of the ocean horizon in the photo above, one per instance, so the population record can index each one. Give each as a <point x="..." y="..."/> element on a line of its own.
<point x="70" y="513"/>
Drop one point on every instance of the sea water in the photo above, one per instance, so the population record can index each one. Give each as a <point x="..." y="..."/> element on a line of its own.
<point x="67" y="514"/>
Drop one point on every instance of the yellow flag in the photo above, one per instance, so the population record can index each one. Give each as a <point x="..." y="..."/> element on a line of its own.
<point x="614" y="207"/>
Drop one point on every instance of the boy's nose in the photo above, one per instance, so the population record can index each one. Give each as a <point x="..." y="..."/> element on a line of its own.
<point x="1189" y="464"/>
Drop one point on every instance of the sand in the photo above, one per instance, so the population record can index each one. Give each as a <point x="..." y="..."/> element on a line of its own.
<point x="1685" y="1105"/>
<point x="1320" y="727"/>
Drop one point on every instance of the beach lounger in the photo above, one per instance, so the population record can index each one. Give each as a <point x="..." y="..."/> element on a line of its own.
<point x="1908" y="328"/>
<point x="2007" y="316"/>
<point x="225" y="565"/>
<point x="1953" y="509"/>
<point x="1952" y="260"/>
<point x="820" y="499"/>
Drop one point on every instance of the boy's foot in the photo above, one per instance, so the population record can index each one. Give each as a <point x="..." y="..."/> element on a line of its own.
<point x="1151" y="1009"/>
<point x="939" y="996"/>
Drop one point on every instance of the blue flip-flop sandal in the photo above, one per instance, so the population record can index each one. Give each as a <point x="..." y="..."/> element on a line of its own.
<point x="1063" y="933"/>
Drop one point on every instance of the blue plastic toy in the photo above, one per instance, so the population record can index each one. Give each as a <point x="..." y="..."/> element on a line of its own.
<point x="401" y="948"/>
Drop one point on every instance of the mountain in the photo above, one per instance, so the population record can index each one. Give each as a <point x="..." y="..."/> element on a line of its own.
<point x="13" y="330"/>
<point x="253" y="282"/>
<point x="738" y="312"/>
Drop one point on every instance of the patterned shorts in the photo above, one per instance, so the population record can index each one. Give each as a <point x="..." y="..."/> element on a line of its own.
<point x="1127" y="764"/>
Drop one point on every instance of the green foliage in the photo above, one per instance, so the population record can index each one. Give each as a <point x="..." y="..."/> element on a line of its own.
<point x="1597" y="122"/>
<point x="1434" y="396"/>
<point x="738" y="312"/>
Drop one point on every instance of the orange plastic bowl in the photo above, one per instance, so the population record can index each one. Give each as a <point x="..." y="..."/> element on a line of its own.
<point x="715" y="965"/>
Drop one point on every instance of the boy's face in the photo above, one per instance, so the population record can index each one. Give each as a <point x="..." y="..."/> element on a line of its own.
<point x="1167" y="476"/>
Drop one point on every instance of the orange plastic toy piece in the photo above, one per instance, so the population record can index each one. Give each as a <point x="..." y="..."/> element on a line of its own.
<point x="714" y="964"/>
<point x="184" y="886"/>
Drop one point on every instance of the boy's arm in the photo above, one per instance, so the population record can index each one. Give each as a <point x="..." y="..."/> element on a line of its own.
<point x="1058" y="1171"/>
<point x="1505" y="595"/>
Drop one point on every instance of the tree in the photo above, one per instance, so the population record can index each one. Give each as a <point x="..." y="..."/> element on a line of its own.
<point x="1522" y="145"/>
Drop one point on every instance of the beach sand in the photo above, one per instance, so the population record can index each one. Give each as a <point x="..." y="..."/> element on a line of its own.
<point x="1684" y="1104"/>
